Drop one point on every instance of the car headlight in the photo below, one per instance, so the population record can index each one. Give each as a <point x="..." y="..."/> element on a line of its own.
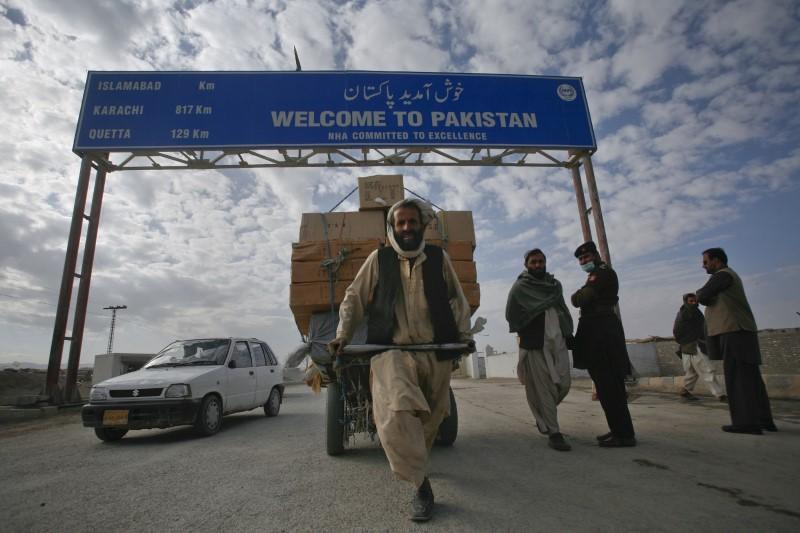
<point x="180" y="390"/>
<point x="98" y="393"/>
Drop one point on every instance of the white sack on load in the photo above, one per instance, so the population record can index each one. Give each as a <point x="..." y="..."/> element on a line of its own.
<point x="297" y="355"/>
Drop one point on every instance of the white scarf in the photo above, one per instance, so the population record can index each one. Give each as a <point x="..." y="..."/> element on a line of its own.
<point x="427" y="215"/>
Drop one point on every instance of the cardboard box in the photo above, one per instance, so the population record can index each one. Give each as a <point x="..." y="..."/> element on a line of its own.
<point x="378" y="192"/>
<point x="473" y="293"/>
<point x="318" y="250"/>
<point x="313" y="271"/>
<point x="303" y="322"/>
<point x="457" y="250"/>
<point x="307" y="298"/>
<point x="350" y="226"/>
<point x="451" y="226"/>
<point x="466" y="271"/>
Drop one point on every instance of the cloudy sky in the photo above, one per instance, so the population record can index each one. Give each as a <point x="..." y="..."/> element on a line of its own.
<point x="694" y="106"/>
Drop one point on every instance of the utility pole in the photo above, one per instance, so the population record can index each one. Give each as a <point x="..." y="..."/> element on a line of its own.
<point x="113" y="309"/>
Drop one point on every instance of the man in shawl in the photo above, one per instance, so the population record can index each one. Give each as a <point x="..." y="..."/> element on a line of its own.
<point x="536" y="312"/>
<point x="411" y="294"/>
<point x="690" y="333"/>
<point x="733" y="337"/>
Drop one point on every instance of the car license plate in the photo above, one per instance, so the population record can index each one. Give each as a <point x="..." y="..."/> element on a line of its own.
<point x="115" y="417"/>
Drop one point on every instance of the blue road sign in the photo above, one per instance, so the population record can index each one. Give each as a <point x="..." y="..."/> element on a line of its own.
<point x="130" y="111"/>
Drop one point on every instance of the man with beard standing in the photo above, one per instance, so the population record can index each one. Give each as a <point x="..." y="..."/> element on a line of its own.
<point x="411" y="294"/>
<point x="600" y="344"/>
<point x="733" y="337"/>
<point x="690" y="333"/>
<point x="537" y="313"/>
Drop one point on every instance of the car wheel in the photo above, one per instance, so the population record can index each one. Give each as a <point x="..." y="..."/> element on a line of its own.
<point x="448" y="429"/>
<point x="110" y="434"/>
<point x="209" y="419"/>
<point x="273" y="405"/>
<point x="334" y="419"/>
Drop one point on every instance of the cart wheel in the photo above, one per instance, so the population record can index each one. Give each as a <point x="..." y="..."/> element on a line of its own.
<point x="334" y="419"/>
<point x="448" y="429"/>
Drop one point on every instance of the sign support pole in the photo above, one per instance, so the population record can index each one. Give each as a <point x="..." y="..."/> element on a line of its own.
<point x="597" y="212"/>
<point x="67" y="279"/>
<point x="583" y="213"/>
<point x="83" y="286"/>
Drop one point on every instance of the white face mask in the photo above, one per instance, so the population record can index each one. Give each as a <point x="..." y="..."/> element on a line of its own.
<point x="588" y="267"/>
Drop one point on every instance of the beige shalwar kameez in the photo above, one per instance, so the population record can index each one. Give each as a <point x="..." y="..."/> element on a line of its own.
<point x="545" y="374"/>
<point x="410" y="390"/>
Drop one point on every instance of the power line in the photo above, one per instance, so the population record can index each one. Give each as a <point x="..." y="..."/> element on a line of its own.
<point x="40" y="302"/>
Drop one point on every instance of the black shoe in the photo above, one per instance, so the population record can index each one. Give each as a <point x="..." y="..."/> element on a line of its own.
<point x="604" y="436"/>
<point x="557" y="442"/>
<point x="618" y="442"/>
<point x="769" y="427"/>
<point x="686" y="395"/>
<point x="422" y="506"/>
<point x="750" y="430"/>
<point x="723" y="399"/>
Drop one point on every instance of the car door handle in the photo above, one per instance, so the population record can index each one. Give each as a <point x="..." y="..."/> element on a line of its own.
<point x="251" y="372"/>
<point x="272" y="370"/>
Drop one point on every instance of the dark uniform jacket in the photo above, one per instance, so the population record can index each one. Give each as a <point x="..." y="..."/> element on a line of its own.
<point x="600" y="339"/>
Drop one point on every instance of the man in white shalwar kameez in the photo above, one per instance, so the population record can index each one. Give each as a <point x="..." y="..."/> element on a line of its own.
<point x="536" y="311"/>
<point x="411" y="295"/>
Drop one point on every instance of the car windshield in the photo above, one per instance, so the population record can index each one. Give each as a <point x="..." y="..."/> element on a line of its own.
<point x="192" y="352"/>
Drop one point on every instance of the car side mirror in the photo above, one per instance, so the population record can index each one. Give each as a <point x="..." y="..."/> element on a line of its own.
<point x="232" y="363"/>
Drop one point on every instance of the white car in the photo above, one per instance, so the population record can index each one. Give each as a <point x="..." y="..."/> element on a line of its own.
<point x="191" y="382"/>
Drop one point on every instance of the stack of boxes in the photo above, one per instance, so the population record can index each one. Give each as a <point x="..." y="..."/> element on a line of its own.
<point x="347" y="238"/>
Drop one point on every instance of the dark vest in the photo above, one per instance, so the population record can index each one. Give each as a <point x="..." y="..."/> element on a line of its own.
<point x="730" y="311"/>
<point x="380" y="325"/>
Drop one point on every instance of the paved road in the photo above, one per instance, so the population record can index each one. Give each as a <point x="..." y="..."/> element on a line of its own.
<point x="261" y="474"/>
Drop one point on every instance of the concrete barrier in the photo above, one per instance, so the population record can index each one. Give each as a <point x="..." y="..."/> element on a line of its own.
<point x="13" y="414"/>
<point x="779" y="386"/>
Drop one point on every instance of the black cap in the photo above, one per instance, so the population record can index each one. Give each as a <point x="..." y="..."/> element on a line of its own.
<point x="534" y="251"/>
<point x="588" y="246"/>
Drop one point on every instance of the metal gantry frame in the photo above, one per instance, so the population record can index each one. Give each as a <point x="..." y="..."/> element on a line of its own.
<point x="101" y="163"/>
<point x="326" y="157"/>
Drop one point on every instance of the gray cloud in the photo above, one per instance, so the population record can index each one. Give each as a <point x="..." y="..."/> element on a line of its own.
<point x="691" y="102"/>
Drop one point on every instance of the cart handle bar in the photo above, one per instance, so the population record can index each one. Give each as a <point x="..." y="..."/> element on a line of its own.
<point x="365" y="349"/>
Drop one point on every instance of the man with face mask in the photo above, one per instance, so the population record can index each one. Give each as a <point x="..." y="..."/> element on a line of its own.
<point x="733" y="337"/>
<point x="600" y="344"/>
<point x="689" y="332"/>
<point x="412" y="295"/>
<point x="536" y="311"/>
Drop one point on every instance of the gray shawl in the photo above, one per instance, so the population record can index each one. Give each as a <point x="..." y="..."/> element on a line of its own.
<point x="529" y="297"/>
